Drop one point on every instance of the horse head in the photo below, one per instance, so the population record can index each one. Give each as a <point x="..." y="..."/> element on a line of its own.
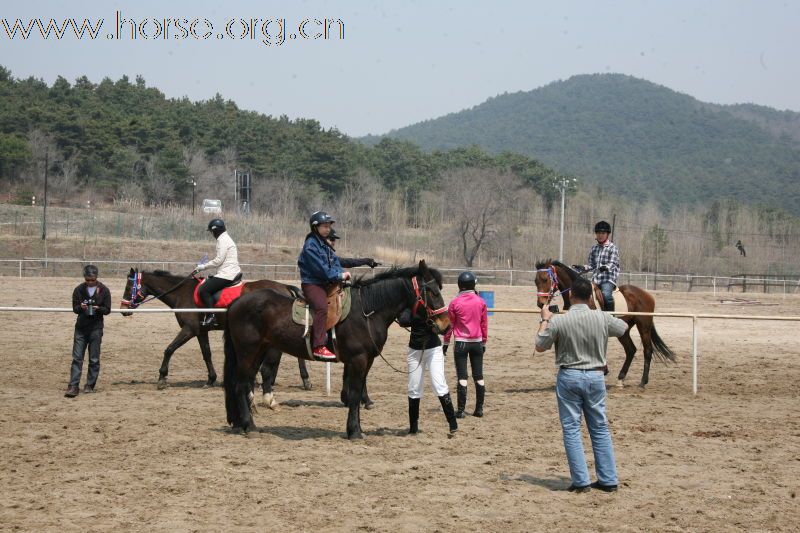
<point x="134" y="293"/>
<point x="428" y="298"/>
<point x="552" y="277"/>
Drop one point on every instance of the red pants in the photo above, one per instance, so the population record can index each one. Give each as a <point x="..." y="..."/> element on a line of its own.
<point x="318" y="298"/>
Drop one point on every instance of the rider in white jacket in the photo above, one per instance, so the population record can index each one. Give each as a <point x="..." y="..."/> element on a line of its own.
<point x="227" y="264"/>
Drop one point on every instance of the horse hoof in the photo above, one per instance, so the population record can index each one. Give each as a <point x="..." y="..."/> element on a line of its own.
<point x="369" y="405"/>
<point x="162" y="384"/>
<point x="356" y="436"/>
<point x="307" y="384"/>
<point x="642" y="385"/>
<point x="620" y="384"/>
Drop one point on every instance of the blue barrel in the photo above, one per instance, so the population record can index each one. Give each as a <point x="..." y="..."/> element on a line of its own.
<point x="488" y="297"/>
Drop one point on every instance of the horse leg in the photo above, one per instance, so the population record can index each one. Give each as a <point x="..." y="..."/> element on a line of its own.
<point x="365" y="399"/>
<point x="647" y="344"/>
<point x="356" y="374"/>
<point x="245" y="372"/>
<point x="269" y="371"/>
<point x="630" y="351"/>
<point x="345" y="384"/>
<point x="184" y="335"/>
<point x="304" y="374"/>
<point x="205" y="348"/>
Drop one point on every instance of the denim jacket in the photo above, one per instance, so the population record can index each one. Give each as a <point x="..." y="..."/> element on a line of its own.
<point x="318" y="262"/>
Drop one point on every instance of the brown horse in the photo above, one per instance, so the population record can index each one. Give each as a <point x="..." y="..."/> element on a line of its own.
<point x="553" y="277"/>
<point x="178" y="292"/>
<point x="261" y="321"/>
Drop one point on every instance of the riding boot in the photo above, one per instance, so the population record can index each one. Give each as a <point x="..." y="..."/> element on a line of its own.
<point x="480" y="393"/>
<point x="413" y="416"/>
<point x="461" y="392"/>
<point x="449" y="413"/>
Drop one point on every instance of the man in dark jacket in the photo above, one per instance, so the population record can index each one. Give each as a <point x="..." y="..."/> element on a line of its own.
<point x="91" y="300"/>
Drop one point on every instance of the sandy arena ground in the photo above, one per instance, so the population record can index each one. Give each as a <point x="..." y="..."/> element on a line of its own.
<point x="134" y="458"/>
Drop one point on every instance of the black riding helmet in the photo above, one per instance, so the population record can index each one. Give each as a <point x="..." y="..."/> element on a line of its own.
<point x="602" y="226"/>
<point x="467" y="281"/>
<point x="216" y="224"/>
<point x="319" y="217"/>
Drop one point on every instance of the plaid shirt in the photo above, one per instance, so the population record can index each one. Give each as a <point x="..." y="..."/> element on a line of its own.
<point x="604" y="254"/>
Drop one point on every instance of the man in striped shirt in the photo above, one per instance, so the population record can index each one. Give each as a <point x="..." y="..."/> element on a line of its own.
<point x="581" y="340"/>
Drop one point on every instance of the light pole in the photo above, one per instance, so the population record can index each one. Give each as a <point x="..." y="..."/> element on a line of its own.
<point x="563" y="184"/>
<point x="193" y="183"/>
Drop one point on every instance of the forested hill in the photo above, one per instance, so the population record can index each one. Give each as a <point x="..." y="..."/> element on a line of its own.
<point x="634" y="137"/>
<point x="125" y="138"/>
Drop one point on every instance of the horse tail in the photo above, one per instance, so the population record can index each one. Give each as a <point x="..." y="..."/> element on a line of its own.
<point x="662" y="352"/>
<point x="229" y="377"/>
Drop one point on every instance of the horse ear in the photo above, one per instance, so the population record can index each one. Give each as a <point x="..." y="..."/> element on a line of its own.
<point x="132" y="272"/>
<point x="422" y="266"/>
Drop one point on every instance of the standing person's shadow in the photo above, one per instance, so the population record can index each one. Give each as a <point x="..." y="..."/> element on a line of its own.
<point x="558" y="483"/>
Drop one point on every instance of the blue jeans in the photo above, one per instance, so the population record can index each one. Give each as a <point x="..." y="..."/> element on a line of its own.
<point x="83" y="339"/>
<point x="584" y="392"/>
<point x="607" y="288"/>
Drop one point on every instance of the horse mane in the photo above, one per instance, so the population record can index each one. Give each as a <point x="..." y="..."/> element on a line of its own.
<point x="162" y="273"/>
<point x="396" y="272"/>
<point x="377" y="290"/>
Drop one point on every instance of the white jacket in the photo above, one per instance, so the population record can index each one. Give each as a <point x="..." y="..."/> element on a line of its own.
<point x="227" y="260"/>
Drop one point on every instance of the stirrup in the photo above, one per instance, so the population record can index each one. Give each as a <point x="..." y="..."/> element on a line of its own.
<point x="209" y="320"/>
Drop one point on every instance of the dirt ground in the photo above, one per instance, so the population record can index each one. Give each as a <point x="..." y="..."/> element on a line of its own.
<point x="131" y="457"/>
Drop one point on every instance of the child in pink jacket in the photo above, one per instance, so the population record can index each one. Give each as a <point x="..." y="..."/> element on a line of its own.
<point x="470" y="326"/>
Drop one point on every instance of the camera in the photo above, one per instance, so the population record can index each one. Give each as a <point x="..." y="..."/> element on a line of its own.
<point x="90" y="304"/>
<point x="552" y="308"/>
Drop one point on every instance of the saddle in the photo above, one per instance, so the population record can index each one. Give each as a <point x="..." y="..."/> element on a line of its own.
<point x="620" y="304"/>
<point x="338" y="308"/>
<point x="222" y="298"/>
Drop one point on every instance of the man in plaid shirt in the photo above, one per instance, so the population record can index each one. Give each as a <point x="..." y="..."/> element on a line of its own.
<point x="604" y="260"/>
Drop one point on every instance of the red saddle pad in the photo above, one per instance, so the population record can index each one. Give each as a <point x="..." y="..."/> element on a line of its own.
<point x="226" y="298"/>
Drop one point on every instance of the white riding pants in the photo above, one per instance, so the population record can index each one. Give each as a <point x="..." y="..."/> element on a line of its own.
<point x="432" y="360"/>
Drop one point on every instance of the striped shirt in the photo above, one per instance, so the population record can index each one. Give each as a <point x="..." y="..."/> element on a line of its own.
<point x="581" y="337"/>
<point x="606" y="254"/>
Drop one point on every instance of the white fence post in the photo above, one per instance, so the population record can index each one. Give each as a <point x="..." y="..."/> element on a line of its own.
<point x="327" y="379"/>
<point x="694" y="355"/>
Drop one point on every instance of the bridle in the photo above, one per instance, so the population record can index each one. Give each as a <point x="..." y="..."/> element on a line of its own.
<point x="137" y="293"/>
<point x="420" y="293"/>
<point x="552" y="275"/>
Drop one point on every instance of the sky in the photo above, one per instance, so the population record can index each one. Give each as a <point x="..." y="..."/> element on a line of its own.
<point x="402" y="62"/>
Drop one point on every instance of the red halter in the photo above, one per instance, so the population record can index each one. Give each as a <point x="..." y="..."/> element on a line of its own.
<point x="419" y="294"/>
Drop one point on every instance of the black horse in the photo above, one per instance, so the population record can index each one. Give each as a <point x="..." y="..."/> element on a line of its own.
<point x="178" y="292"/>
<point x="261" y="321"/>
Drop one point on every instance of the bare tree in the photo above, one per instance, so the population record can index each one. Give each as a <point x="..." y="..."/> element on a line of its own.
<point x="160" y="188"/>
<point x="476" y="198"/>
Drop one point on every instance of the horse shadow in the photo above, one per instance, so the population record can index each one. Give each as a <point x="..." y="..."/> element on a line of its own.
<point x="298" y="433"/>
<point x="188" y="384"/>
<point x="312" y="403"/>
<point x="548" y="388"/>
<point x="559" y="483"/>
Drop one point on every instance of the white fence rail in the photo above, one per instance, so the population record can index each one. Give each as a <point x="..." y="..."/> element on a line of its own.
<point x="694" y="317"/>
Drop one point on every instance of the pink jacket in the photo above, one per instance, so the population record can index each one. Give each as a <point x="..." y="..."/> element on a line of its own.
<point x="468" y="318"/>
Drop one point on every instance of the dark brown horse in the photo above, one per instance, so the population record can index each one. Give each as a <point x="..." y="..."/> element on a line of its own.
<point x="178" y="292"/>
<point x="261" y="321"/>
<point x="553" y="277"/>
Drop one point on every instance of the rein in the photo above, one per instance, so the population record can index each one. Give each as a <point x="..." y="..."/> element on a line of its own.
<point x="419" y="295"/>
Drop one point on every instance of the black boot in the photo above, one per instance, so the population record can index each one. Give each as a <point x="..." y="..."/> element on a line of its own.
<point x="449" y="413"/>
<point x="413" y="416"/>
<point x="461" y="392"/>
<point x="480" y="393"/>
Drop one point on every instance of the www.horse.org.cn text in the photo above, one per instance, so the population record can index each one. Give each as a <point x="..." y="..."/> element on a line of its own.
<point x="267" y="31"/>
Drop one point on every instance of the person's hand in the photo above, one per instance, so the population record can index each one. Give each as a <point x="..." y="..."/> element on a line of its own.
<point x="546" y="314"/>
<point x="483" y="348"/>
<point x="444" y="348"/>
<point x="84" y="306"/>
<point x="371" y="262"/>
<point x="577" y="268"/>
<point x="603" y="268"/>
<point x="345" y="276"/>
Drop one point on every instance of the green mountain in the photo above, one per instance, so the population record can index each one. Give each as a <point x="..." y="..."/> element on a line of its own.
<point x="635" y="138"/>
